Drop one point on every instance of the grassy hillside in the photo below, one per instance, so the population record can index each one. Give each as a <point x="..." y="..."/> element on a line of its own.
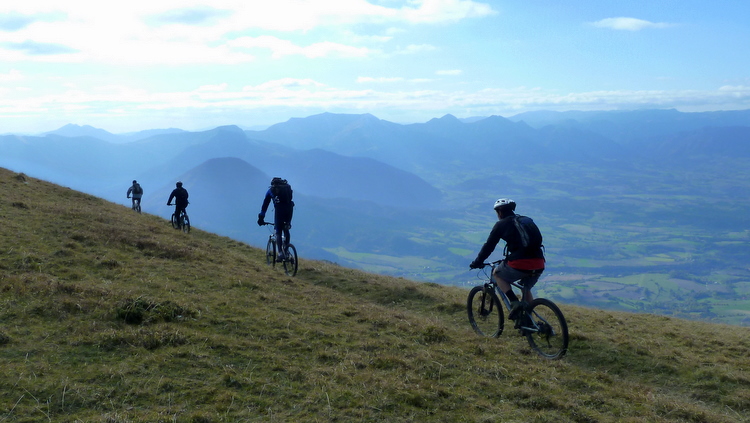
<point x="110" y="316"/>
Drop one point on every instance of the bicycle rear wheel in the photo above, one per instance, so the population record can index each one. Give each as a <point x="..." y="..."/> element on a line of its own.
<point x="290" y="261"/>
<point x="546" y="329"/>
<point x="271" y="252"/>
<point x="485" y="312"/>
<point x="185" y="223"/>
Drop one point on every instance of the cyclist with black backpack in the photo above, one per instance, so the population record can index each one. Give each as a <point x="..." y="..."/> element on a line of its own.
<point x="280" y="192"/>
<point x="524" y="252"/>
<point x="137" y="192"/>
<point x="180" y="196"/>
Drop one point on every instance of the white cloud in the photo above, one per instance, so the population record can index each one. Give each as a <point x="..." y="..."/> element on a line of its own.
<point x="191" y="16"/>
<point x="284" y="83"/>
<point x="416" y="48"/>
<point x="628" y="24"/>
<point x="435" y="11"/>
<point x="213" y="88"/>
<point x="12" y="75"/>
<point x="281" y="48"/>
<point x="195" y="31"/>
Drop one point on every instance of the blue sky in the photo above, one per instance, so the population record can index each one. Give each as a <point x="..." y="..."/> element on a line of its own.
<point x="197" y="64"/>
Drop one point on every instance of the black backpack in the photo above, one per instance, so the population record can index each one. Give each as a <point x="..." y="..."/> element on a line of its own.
<point x="282" y="192"/>
<point x="137" y="189"/>
<point x="531" y="237"/>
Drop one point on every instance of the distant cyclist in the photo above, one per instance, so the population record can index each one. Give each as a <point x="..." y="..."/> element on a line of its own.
<point x="280" y="192"/>
<point x="524" y="253"/>
<point x="137" y="192"/>
<point x="180" y="196"/>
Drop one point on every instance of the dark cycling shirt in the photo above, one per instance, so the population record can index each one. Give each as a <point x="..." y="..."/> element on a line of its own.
<point x="181" y="197"/>
<point x="277" y="205"/>
<point x="518" y="256"/>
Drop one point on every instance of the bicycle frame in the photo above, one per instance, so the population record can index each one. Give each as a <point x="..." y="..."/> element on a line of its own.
<point x="521" y="324"/>
<point x="491" y="282"/>
<point x="272" y="236"/>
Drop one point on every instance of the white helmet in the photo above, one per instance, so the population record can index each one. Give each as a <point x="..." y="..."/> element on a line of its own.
<point x="505" y="203"/>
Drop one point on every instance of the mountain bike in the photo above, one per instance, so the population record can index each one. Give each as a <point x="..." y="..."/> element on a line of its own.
<point x="541" y="321"/>
<point x="181" y="222"/>
<point x="136" y="205"/>
<point x="289" y="261"/>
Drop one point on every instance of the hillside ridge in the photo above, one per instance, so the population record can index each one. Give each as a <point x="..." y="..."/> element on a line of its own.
<point x="112" y="316"/>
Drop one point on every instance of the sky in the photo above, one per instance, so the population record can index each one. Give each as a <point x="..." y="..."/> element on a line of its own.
<point x="197" y="64"/>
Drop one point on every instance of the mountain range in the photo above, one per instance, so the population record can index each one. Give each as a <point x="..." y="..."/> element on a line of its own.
<point x="616" y="194"/>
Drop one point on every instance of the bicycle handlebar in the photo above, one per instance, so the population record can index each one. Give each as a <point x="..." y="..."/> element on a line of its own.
<point x="485" y="264"/>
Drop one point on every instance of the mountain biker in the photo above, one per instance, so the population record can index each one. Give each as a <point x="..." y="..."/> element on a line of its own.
<point x="524" y="253"/>
<point x="137" y="193"/>
<point x="280" y="192"/>
<point x="180" y="196"/>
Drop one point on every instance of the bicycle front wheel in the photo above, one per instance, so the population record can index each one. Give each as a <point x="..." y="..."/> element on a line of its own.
<point x="175" y="222"/>
<point x="485" y="312"/>
<point x="546" y="329"/>
<point x="185" y="223"/>
<point x="290" y="261"/>
<point x="271" y="252"/>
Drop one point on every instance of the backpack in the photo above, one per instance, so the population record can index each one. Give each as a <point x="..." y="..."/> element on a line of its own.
<point x="282" y="192"/>
<point x="137" y="189"/>
<point x="531" y="237"/>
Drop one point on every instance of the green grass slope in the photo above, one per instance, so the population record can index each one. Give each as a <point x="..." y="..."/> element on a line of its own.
<point x="111" y="316"/>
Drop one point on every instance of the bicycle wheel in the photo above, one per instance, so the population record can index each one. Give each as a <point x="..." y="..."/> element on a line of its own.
<point x="271" y="252"/>
<point x="185" y="223"/>
<point x="485" y="312"/>
<point x="290" y="261"/>
<point x="546" y="329"/>
<point x="175" y="223"/>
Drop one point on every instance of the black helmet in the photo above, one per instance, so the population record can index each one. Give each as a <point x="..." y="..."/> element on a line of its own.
<point x="179" y="184"/>
<point x="505" y="204"/>
<point x="134" y="181"/>
<point x="277" y="180"/>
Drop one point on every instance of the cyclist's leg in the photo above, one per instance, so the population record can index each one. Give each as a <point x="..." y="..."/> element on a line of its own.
<point x="288" y="225"/>
<point x="282" y="218"/>
<point x="287" y="235"/>
<point x="178" y="214"/>
<point x="528" y="282"/>
<point x="278" y="227"/>
<point x="503" y="276"/>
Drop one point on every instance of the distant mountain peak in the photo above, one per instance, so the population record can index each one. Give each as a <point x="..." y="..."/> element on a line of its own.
<point x="229" y="128"/>
<point x="72" y="130"/>
<point x="446" y="118"/>
<point x="72" y="126"/>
